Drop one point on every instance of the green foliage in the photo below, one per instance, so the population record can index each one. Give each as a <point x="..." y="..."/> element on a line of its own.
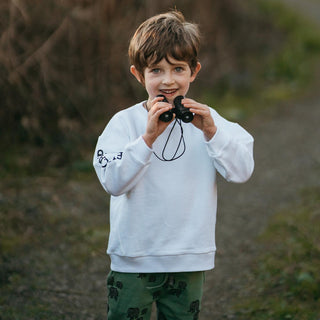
<point x="302" y="43"/>
<point x="286" y="281"/>
<point x="288" y="59"/>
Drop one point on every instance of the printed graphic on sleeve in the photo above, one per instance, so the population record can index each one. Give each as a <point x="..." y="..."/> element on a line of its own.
<point x="105" y="158"/>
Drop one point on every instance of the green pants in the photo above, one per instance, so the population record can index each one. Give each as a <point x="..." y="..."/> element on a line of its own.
<point x="177" y="295"/>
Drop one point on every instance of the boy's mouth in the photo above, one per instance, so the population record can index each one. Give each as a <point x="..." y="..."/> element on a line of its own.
<point x="168" y="92"/>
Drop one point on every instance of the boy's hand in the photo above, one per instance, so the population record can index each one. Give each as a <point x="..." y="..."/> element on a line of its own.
<point x="154" y="125"/>
<point x="202" y="117"/>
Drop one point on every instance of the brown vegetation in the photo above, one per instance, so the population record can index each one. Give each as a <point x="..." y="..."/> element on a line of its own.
<point x="63" y="66"/>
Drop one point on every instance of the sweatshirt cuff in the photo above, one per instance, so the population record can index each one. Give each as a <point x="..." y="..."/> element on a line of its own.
<point x="218" y="142"/>
<point x="142" y="151"/>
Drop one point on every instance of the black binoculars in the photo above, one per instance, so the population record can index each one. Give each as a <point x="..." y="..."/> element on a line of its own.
<point x="179" y="110"/>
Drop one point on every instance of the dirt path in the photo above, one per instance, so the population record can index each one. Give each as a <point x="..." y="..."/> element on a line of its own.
<point x="287" y="156"/>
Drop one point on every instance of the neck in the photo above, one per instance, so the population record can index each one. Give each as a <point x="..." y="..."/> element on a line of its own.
<point x="145" y="105"/>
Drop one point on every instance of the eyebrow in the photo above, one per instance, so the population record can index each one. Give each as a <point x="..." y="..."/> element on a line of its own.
<point x="176" y="64"/>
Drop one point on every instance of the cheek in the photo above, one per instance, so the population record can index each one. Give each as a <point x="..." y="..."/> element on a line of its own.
<point x="151" y="86"/>
<point x="186" y="86"/>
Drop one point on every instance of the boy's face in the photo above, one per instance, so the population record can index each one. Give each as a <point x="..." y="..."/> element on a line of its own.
<point x="170" y="79"/>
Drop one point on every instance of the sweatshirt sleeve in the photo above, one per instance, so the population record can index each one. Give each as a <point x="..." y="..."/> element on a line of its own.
<point x="120" y="162"/>
<point x="231" y="149"/>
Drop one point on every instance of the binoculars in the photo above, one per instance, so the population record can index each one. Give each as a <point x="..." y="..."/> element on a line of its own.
<point x="179" y="110"/>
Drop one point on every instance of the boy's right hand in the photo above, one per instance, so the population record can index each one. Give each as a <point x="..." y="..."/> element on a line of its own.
<point x="154" y="125"/>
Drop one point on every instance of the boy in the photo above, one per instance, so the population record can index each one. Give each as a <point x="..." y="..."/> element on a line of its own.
<point x="162" y="178"/>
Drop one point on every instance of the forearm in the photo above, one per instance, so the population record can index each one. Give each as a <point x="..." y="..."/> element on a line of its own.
<point x="210" y="132"/>
<point x="149" y="140"/>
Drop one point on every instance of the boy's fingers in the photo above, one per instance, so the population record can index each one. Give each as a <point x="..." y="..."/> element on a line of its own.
<point x="160" y="107"/>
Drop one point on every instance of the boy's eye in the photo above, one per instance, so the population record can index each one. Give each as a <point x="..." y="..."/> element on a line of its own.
<point x="179" y="69"/>
<point x="155" y="70"/>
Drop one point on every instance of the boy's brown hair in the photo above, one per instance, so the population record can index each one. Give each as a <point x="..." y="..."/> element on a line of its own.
<point x="163" y="36"/>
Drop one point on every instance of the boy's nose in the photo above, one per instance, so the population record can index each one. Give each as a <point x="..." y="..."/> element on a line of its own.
<point x="168" y="79"/>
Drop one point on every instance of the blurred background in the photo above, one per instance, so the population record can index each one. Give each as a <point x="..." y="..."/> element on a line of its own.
<point x="64" y="67"/>
<point x="64" y="72"/>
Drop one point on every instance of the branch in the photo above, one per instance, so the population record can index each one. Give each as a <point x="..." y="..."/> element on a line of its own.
<point x="22" y="9"/>
<point x="40" y="52"/>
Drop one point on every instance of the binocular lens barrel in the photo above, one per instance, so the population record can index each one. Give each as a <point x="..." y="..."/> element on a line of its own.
<point x="168" y="115"/>
<point x="180" y="111"/>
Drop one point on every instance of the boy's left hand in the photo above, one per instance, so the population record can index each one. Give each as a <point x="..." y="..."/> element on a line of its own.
<point x="202" y="117"/>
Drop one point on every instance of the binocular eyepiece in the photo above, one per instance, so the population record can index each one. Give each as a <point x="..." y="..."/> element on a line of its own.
<point x="179" y="110"/>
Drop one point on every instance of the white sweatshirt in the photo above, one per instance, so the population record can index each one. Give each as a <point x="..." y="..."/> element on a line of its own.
<point x="163" y="214"/>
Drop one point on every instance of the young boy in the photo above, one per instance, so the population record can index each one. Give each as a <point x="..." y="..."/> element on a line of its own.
<point x="162" y="178"/>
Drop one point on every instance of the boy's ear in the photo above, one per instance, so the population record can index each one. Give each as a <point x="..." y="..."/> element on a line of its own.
<point x="195" y="72"/>
<point x="137" y="74"/>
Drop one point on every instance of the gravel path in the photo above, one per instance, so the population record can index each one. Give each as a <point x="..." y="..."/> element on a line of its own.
<point x="287" y="156"/>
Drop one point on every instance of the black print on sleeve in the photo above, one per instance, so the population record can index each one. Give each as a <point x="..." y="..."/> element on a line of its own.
<point x="104" y="158"/>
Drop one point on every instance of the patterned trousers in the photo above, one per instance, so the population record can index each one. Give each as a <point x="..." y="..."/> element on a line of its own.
<point x="177" y="295"/>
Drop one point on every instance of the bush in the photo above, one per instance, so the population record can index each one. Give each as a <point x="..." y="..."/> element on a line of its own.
<point x="64" y="70"/>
